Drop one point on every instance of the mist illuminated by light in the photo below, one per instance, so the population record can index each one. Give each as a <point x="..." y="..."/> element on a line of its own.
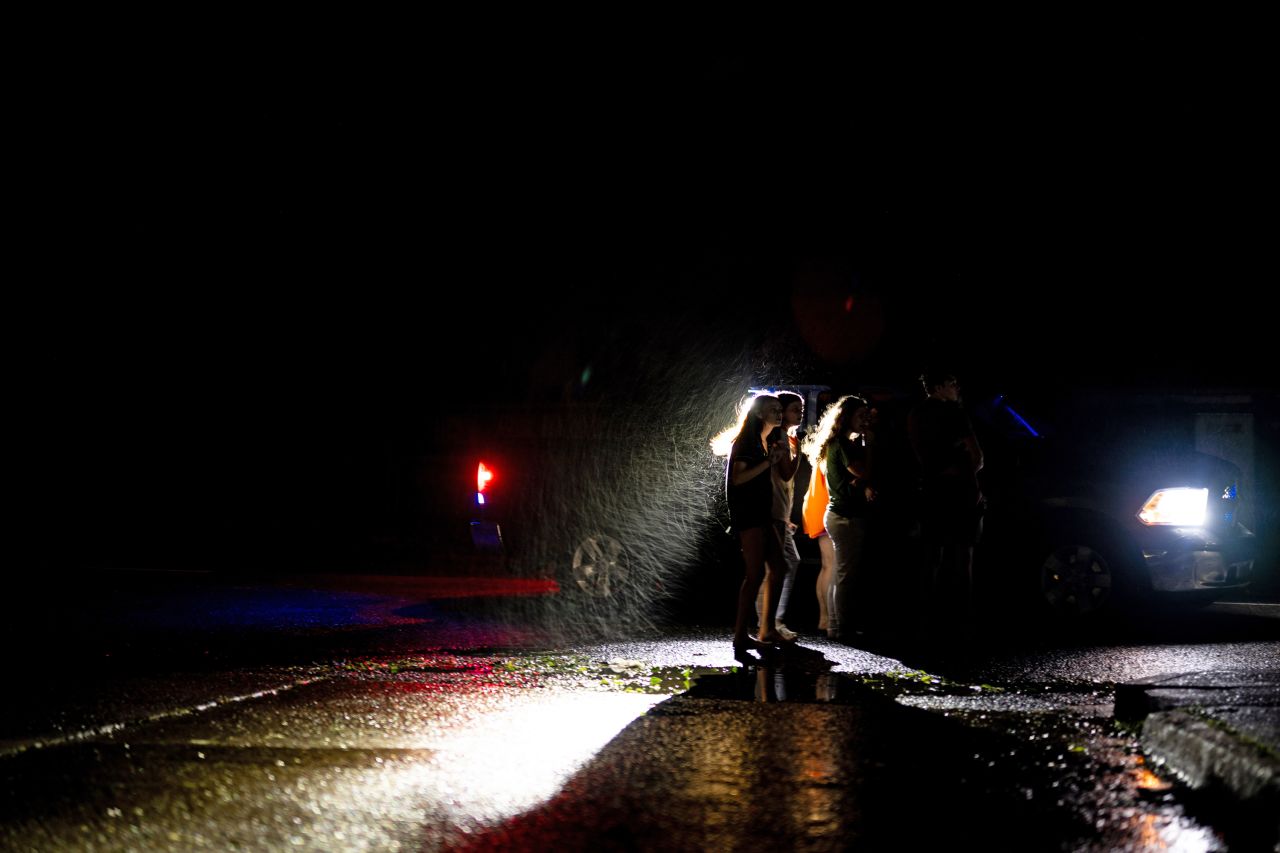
<point x="643" y="475"/>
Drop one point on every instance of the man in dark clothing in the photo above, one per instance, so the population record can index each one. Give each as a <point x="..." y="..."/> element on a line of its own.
<point x="951" y="501"/>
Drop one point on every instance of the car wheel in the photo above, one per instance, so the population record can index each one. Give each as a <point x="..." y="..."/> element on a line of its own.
<point x="1076" y="581"/>
<point x="599" y="566"/>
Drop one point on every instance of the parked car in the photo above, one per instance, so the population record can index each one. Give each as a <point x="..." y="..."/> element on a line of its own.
<point x="1093" y="517"/>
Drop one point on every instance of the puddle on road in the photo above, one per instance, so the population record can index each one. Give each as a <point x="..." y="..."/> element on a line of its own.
<point x="1051" y="746"/>
<point x="800" y="684"/>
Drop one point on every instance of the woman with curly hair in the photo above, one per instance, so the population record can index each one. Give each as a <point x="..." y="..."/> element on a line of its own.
<point x="838" y="448"/>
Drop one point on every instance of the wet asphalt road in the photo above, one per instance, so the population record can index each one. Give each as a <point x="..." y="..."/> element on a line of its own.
<point x="399" y="714"/>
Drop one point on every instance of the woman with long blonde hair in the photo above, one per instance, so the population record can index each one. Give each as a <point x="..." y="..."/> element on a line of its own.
<point x="749" y="490"/>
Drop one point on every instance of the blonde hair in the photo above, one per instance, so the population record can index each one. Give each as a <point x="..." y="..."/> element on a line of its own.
<point x="833" y="417"/>
<point x="722" y="442"/>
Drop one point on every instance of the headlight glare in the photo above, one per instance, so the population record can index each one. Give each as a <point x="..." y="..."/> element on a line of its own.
<point x="1182" y="507"/>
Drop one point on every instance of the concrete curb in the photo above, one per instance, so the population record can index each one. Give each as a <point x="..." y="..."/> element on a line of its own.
<point x="1218" y="731"/>
<point x="1207" y="753"/>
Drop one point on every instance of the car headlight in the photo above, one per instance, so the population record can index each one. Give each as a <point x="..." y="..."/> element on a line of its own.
<point x="1183" y="507"/>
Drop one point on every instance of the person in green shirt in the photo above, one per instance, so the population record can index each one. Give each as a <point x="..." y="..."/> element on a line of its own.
<point x="843" y="454"/>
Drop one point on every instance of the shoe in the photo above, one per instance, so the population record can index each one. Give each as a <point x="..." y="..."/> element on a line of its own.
<point x="787" y="635"/>
<point x="775" y="637"/>
<point x="749" y="652"/>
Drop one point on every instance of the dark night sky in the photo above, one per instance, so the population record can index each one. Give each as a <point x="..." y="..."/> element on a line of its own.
<point x="258" y="254"/>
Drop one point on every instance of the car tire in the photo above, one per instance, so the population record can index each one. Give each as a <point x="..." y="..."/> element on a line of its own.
<point x="1082" y="577"/>
<point x="1076" y="581"/>
<point x="600" y="566"/>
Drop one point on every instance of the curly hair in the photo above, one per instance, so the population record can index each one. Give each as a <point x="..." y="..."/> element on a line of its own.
<point x="835" y="422"/>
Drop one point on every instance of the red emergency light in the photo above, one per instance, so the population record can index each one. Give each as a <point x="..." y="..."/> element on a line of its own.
<point x="483" y="475"/>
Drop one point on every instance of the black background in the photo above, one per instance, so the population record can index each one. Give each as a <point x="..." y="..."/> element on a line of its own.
<point x="264" y="261"/>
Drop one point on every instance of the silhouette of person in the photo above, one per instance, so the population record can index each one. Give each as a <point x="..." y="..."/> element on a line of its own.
<point x="812" y="512"/>
<point x="950" y="499"/>
<point x="842" y="453"/>
<point x="750" y="497"/>
<point x="782" y="476"/>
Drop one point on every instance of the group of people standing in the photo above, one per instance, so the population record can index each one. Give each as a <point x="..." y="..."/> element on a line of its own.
<point x="842" y="508"/>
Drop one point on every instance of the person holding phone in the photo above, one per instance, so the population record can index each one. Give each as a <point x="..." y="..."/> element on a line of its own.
<point x="748" y="488"/>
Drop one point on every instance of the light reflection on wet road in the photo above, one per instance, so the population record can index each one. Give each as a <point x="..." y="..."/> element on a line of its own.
<point x="433" y="728"/>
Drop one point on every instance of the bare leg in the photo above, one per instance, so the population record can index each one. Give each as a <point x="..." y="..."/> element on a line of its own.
<point x="753" y="548"/>
<point x="774" y="576"/>
<point x="791" y="564"/>
<point x="770" y="590"/>
<point x="828" y="553"/>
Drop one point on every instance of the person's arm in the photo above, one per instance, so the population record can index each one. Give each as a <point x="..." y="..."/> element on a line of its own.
<point x="789" y="462"/>
<point x="743" y="470"/>
<point x="861" y="471"/>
